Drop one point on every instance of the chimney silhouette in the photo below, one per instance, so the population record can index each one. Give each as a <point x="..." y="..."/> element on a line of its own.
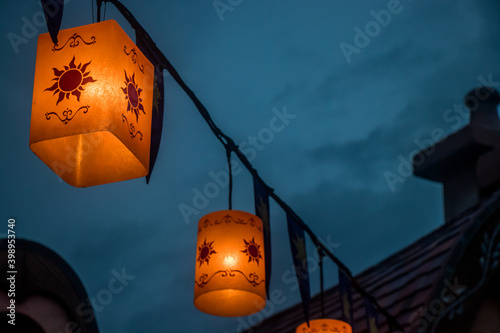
<point x="467" y="162"/>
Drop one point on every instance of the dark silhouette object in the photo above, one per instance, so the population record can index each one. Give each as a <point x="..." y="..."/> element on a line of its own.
<point x="49" y="296"/>
<point x="53" y="10"/>
<point x="483" y="102"/>
<point x="466" y="162"/>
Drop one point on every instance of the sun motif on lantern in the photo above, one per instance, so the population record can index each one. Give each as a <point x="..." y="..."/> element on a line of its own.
<point x="252" y="250"/>
<point x="70" y="80"/>
<point x="205" y="250"/>
<point x="133" y="95"/>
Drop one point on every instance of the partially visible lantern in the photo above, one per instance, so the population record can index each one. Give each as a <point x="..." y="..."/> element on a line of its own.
<point x="92" y="102"/>
<point x="324" y="325"/>
<point x="230" y="267"/>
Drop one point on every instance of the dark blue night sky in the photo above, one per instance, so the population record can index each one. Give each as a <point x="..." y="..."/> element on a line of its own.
<point x="359" y="104"/>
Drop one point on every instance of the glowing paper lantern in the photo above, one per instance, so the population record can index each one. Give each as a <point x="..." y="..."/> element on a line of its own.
<point x="324" y="325"/>
<point x="92" y="102"/>
<point x="230" y="267"/>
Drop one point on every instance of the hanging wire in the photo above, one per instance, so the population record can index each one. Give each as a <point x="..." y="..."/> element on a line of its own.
<point x="230" y="144"/>
<point x="92" y="2"/>
<point x="321" y="281"/>
<point x="228" y="155"/>
<point x="391" y="327"/>
<point x="104" y="15"/>
<point x="99" y="4"/>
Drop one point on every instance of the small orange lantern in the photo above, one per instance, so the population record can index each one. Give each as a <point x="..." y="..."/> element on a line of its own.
<point x="230" y="267"/>
<point x="92" y="102"/>
<point x="325" y="325"/>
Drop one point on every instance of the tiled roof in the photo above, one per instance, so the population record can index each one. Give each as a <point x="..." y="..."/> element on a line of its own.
<point x="401" y="284"/>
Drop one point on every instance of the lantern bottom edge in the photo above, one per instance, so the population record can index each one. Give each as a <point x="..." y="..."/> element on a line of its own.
<point x="229" y="303"/>
<point x="90" y="159"/>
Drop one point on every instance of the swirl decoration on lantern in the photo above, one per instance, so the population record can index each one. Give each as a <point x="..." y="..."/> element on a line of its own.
<point x="67" y="115"/>
<point x="230" y="219"/>
<point x="230" y="269"/>
<point x="74" y="42"/>
<point x="324" y="325"/>
<point x="133" y="56"/>
<point x="131" y="128"/>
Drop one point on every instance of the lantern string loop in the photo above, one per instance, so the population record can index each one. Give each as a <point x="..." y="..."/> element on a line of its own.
<point x="229" y="143"/>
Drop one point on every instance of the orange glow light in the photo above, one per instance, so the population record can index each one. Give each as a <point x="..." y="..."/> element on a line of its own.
<point x="324" y="325"/>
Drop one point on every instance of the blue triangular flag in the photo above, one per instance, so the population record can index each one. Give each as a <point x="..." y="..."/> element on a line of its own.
<point x="158" y="98"/>
<point x="261" y="197"/>
<point x="298" y="246"/>
<point x="345" y="294"/>
<point x="53" y="10"/>
<point x="371" y="317"/>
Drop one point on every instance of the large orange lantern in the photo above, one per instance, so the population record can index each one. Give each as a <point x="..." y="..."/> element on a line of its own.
<point x="230" y="267"/>
<point x="92" y="102"/>
<point x="324" y="325"/>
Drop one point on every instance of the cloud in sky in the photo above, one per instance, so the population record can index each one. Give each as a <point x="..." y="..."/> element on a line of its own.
<point x="353" y="121"/>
